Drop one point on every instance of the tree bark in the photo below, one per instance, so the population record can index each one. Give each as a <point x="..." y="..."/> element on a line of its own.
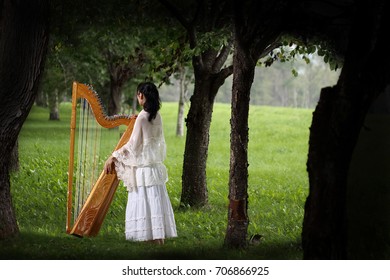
<point x="238" y="220"/>
<point x="324" y="227"/>
<point x="14" y="161"/>
<point x="194" y="183"/>
<point x="335" y="128"/>
<point x="23" y="44"/>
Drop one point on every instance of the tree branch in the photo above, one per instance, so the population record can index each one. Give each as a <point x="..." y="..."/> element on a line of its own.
<point x="226" y="72"/>
<point x="269" y="48"/>
<point x="223" y="54"/>
<point x="220" y="79"/>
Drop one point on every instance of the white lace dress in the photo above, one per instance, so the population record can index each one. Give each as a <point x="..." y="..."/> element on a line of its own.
<point x="139" y="164"/>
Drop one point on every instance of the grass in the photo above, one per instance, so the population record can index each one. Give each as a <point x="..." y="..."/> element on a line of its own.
<point x="278" y="188"/>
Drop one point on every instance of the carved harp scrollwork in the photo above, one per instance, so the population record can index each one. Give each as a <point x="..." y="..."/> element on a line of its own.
<point x="94" y="206"/>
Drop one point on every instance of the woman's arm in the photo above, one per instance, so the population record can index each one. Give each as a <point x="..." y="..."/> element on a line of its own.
<point x="130" y="149"/>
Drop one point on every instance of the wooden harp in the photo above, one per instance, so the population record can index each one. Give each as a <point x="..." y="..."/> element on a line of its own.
<point x="88" y="220"/>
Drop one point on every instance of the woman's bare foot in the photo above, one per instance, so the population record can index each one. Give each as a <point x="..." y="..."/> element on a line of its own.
<point x="159" y="241"/>
<point x="156" y="241"/>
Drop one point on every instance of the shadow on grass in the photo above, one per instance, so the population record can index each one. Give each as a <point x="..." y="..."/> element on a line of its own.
<point x="33" y="246"/>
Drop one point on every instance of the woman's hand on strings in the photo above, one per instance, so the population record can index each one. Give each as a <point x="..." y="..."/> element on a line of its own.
<point x="108" y="165"/>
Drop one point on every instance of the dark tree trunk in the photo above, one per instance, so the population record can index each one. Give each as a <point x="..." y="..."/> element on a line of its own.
<point x="120" y="73"/>
<point x="54" y="114"/>
<point x="336" y="124"/>
<point x="114" y="104"/>
<point x="194" y="183"/>
<point x="23" y="44"/>
<point x="238" y="220"/>
<point x="14" y="162"/>
<point x="209" y="77"/>
<point x="330" y="149"/>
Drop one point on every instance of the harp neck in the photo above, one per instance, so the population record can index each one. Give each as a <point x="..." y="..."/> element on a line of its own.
<point x="86" y="92"/>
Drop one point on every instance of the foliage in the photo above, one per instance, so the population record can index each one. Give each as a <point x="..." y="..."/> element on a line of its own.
<point x="92" y="41"/>
<point x="276" y="86"/>
<point x="277" y="190"/>
<point x="292" y="48"/>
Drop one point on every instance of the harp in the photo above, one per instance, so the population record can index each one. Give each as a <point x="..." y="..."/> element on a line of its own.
<point x="99" y="194"/>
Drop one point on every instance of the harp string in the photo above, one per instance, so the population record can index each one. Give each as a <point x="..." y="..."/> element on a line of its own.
<point x="88" y="155"/>
<point x="78" y="171"/>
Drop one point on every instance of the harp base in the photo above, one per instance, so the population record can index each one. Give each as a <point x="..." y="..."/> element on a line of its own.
<point x="95" y="209"/>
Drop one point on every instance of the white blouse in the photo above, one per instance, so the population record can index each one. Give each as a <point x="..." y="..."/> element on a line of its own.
<point x="139" y="163"/>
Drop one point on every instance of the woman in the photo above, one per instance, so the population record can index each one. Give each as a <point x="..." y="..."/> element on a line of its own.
<point x="139" y="164"/>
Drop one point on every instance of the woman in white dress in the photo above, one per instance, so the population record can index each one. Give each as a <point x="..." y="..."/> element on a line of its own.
<point x="139" y="164"/>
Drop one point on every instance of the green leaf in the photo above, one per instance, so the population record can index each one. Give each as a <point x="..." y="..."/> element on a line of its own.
<point x="294" y="72"/>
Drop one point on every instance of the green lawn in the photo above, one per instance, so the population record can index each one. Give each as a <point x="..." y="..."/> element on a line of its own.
<point x="278" y="187"/>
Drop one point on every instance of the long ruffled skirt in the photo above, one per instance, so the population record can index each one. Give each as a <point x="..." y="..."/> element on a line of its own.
<point x="149" y="214"/>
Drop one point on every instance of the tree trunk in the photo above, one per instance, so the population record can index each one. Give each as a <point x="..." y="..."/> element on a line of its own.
<point x="41" y="99"/>
<point x="336" y="124"/>
<point x="238" y="220"/>
<point x="182" y="98"/>
<point x="114" y="105"/>
<point x="180" y="116"/>
<point x="14" y="162"/>
<point x="134" y="105"/>
<point x="209" y="77"/>
<point x="23" y="44"/>
<point x="248" y="49"/>
<point x="54" y="114"/>
<point x="194" y="184"/>
<point x="120" y="73"/>
<point x="324" y="227"/>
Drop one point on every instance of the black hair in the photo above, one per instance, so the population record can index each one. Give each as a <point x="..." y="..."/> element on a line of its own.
<point x="153" y="102"/>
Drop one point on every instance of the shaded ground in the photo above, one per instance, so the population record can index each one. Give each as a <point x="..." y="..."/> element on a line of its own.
<point x="30" y="246"/>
